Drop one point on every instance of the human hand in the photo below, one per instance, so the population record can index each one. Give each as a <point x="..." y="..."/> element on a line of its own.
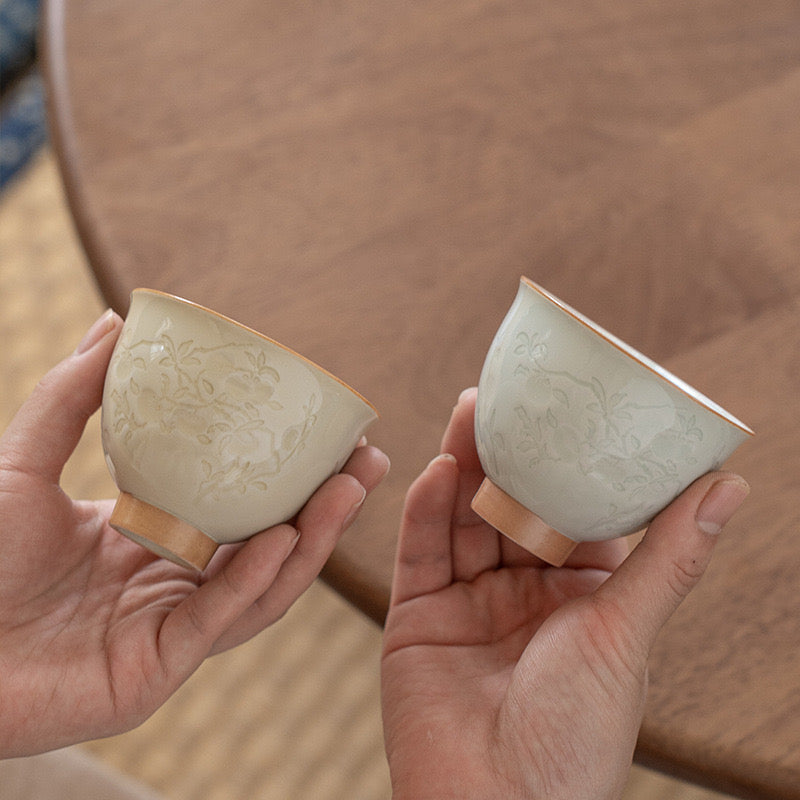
<point x="95" y="631"/>
<point x="503" y="677"/>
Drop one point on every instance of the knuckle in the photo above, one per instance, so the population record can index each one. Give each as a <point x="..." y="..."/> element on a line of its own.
<point x="684" y="575"/>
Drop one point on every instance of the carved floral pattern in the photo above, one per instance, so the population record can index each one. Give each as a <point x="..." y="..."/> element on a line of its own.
<point x="225" y="419"/>
<point x="603" y="438"/>
<point x="581" y="425"/>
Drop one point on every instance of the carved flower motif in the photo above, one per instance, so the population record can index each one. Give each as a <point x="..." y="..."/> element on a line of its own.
<point x="225" y="419"/>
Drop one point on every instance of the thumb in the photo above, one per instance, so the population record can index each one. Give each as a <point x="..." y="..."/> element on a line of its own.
<point x="46" y="429"/>
<point x="673" y="555"/>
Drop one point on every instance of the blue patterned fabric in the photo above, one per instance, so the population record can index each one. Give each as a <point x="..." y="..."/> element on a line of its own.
<point x="23" y="125"/>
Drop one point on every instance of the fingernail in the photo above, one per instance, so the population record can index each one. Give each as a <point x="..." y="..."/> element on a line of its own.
<point x="98" y="330"/>
<point x="442" y="457"/>
<point x="356" y="507"/>
<point x="292" y="545"/>
<point x="720" y="504"/>
<point x="387" y="465"/>
<point x="466" y="394"/>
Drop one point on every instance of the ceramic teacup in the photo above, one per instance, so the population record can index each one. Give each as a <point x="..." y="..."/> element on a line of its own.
<point x="213" y="432"/>
<point x="581" y="437"/>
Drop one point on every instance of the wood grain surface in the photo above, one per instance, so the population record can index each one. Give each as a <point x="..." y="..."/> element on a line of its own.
<point x="366" y="182"/>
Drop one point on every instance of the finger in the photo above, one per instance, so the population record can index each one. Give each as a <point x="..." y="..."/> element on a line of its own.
<point x="476" y="546"/>
<point x="190" y="631"/>
<point x="459" y="437"/>
<point x="423" y="563"/>
<point x="325" y="517"/>
<point x="320" y="524"/>
<point x="46" y="429"/>
<point x="671" y="558"/>
<point x="322" y="521"/>
<point x="368" y="465"/>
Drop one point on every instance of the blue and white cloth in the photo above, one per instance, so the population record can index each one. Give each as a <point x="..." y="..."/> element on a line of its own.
<point x="23" y="124"/>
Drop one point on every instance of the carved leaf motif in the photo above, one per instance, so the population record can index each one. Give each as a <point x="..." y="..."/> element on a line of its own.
<point x="599" y="391"/>
<point x="523" y="416"/>
<point x="561" y="396"/>
<point x="524" y="343"/>
<point x="267" y="370"/>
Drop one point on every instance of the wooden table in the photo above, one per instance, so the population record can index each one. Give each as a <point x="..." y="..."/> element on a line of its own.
<point x="366" y="182"/>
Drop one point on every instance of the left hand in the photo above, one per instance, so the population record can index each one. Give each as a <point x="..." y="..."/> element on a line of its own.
<point x="95" y="631"/>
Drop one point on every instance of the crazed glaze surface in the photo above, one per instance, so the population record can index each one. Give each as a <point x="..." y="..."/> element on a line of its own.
<point x="217" y="425"/>
<point x="580" y="429"/>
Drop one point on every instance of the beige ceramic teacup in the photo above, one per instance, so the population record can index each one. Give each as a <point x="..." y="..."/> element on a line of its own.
<point x="581" y="437"/>
<point x="213" y="432"/>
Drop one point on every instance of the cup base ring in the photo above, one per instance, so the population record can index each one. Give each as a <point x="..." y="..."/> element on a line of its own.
<point x="162" y="533"/>
<point x="520" y="525"/>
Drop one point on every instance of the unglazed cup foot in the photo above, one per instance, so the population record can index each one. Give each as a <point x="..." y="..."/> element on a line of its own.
<point x="520" y="525"/>
<point x="162" y="533"/>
